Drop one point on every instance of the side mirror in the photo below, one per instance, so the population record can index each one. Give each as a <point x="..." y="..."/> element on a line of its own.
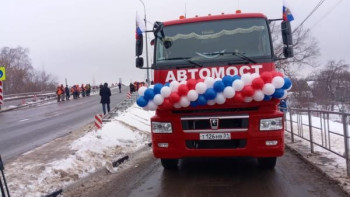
<point x="287" y="39"/>
<point x="139" y="62"/>
<point x="158" y="28"/>
<point x="139" y="45"/>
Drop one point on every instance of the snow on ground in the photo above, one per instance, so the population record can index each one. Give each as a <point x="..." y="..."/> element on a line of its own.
<point x="327" y="134"/>
<point x="82" y="156"/>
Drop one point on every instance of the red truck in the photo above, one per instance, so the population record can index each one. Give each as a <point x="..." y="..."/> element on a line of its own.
<point x="216" y="91"/>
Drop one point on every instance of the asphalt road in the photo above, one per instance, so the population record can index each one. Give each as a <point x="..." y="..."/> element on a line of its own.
<point x="207" y="177"/>
<point x="23" y="129"/>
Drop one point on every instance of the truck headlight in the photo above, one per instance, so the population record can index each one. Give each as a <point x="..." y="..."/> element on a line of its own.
<point x="271" y="124"/>
<point x="161" y="127"/>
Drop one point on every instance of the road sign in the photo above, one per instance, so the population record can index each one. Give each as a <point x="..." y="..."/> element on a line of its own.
<point x="2" y="74"/>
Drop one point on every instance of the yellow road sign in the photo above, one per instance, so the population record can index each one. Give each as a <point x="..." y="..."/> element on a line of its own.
<point x="2" y="74"/>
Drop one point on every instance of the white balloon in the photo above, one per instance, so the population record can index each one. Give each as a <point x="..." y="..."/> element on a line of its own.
<point x="165" y="91"/>
<point x="285" y="94"/>
<point x="151" y="86"/>
<point x="141" y="91"/>
<point x="192" y="95"/>
<point x="158" y="99"/>
<point x="248" y="99"/>
<point x="174" y="85"/>
<point x="184" y="102"/>
<point x="177" y="105"/>
<point x="278" y="82"/>
<point x="201" y="88"/>
<point x="254" y="76"/>
<point x="229" y="92"/>
<point x="151" y="105"/>
<point x="183" y="82"/>
<point x="247" y="79"/>
<point x="258" y="95"/>
<point x="268" y="89"/>
<point x="220" y="98"/>
<point x="211" y="102"/>
<point x="209" y="81"/>
<point x="238" y="85"/>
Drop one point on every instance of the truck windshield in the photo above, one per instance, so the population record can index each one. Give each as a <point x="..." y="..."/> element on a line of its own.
<point x="237" y="40"/>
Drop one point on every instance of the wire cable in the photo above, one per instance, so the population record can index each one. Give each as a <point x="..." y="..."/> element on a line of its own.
<point x="311" y="13"/>
<point x="325" y="15"/>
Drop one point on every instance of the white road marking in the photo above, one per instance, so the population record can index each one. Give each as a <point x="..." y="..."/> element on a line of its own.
<point x="24" y="120"/>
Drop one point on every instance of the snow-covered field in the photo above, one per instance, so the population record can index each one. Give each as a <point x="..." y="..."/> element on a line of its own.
<point x="59" y="163"/>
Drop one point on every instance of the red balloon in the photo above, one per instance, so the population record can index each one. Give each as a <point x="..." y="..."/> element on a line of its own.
<point x="191" y="84"/>
<point x="182" y="90"/>
<point x="258" y="83"/>
<point x="238" y="97"/>
<point x="267" y="77"/>
<point x="275" y="74"/>
<point x="166" y="104"/>
<point x="174" y="97"/>
<point x="248" y="91"/>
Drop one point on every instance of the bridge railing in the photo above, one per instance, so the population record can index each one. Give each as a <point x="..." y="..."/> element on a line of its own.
<point x="325" y="129"/>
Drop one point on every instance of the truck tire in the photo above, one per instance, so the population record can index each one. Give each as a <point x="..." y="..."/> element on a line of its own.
<point x="267" y="162"/>
<point x="169" y="164"/>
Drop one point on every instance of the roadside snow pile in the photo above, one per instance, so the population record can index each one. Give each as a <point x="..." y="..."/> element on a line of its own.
<point x="96" y="149"/>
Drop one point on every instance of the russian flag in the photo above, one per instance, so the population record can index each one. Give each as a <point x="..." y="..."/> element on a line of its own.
<point x="140" y="27"/>
<point x="287" y="14"/>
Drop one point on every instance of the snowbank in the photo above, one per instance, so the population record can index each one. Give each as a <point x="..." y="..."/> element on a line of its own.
<point x="94" y="150"/>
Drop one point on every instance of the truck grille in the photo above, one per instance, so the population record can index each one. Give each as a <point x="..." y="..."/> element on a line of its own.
<point x="207" y="124"/>
<point x="216" y="144"/>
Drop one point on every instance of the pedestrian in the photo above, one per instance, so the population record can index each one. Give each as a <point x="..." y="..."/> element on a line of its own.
<point x="63" y="94"/>
<point x="120" y="87"/>
<point x="105" y="94"/>
<point x="67" y="92"/>
<point x="58" y="93"/>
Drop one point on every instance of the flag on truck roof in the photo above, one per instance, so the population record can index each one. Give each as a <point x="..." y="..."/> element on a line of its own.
<point x="286" y="12"/>
<point x="140" y="26"/>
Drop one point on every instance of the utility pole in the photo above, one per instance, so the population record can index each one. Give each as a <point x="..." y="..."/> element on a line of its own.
<point x="144" y="9"/>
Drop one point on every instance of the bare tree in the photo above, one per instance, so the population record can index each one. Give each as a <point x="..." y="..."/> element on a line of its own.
<point x="306" y="49"/>
<point x="21" y="76"/>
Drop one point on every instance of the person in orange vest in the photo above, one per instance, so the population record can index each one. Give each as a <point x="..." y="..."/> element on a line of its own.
<point x="59" y="93"/>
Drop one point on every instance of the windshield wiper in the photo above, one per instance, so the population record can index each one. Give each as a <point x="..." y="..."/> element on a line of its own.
<point x="186" y="59"/>
<point x="237" y="54"/>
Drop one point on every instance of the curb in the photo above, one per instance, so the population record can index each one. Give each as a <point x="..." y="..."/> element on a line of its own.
<point x="120" y="161"/>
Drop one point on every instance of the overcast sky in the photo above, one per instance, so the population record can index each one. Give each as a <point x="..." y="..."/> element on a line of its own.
<point x="87" y="40"/>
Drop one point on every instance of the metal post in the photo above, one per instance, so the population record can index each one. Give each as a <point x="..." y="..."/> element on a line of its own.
<point x="3" y="177"/>
<point x="310" y="131"/>
<point x="346" y="144"/>
<point x="291" y="125"/>
<point x="148" y="80"/>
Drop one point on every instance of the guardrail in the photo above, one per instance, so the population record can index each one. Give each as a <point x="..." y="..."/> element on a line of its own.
<point x="121" y="107"/>
<point x="325" y="129"/>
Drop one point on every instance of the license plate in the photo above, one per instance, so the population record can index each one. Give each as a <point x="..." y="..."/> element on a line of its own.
<point x="215" y="136"/>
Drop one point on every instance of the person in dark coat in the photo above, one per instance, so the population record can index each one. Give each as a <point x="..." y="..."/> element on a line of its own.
<point x="105" y="94"/>
<point x="67" y="92"/>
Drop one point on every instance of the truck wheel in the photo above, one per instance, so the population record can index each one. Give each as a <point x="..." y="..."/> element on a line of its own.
<point x="267" y="162"/>
<point x="169" y="164"/>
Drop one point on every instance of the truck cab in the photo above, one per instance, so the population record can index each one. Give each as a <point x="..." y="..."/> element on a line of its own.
<point x="226" y="53"/>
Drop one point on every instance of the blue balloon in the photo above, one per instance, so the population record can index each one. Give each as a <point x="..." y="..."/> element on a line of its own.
<point x="267" y="98"/>
<point x="219" y="86"/>
<point x="149" y="94"/>
<point x="201" y="100"/>
<point x="157" y="88"/>
<point x="193" y="104"/>
<point x="141" y="101"/>
<point x="278" y="93"/>
<point x="227" y="80"/>
<point x="167" y="84"/>
<point x="210" y="94"/>
<point x="287" y="83"/>
<point x="235" y="77"/>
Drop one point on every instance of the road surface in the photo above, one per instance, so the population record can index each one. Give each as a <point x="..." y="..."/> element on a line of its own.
<point x="206" y="177"/>
<point x="26" y="128"/>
